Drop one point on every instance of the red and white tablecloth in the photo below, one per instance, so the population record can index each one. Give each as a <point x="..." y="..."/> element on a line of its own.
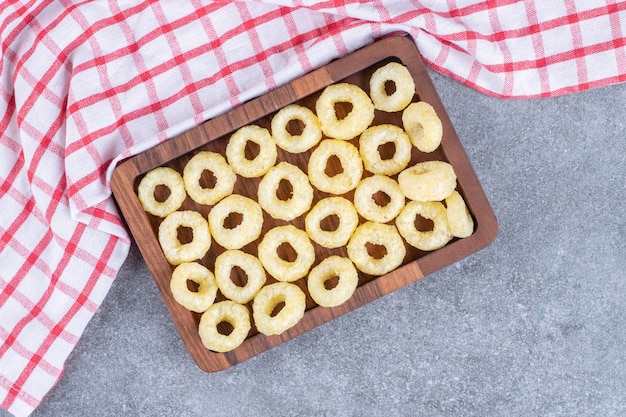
<point x="86" y="83"/>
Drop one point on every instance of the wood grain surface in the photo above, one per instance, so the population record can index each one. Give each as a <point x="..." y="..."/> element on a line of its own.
<point x="212" y="135"/>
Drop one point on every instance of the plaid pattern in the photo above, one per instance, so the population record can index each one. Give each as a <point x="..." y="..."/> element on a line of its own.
<point x="84" y="84"/>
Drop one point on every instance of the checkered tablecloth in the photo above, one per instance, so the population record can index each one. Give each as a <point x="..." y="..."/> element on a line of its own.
<point x="87" y="83"/>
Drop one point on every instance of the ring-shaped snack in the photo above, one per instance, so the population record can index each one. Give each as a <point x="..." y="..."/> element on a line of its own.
<point x="236" y="151"/>
<point x="421" y="123"/>
<point x="161" y="176"/>
<point x="297" y="203"/>
<point x="358" y="118"/>
<point x="459" y="218"/>
<point x="225" y="177"/>
<point x="250" y="265"/>
<point x="376" y="136"/>
<point x="351" y="167"/>
<point x="427" y="240"/>
<point x="235" y="314"/>
<point x="275" y="265"/>
<point x="329" y="268"/>
<point x="311" y="133"/>
<point x="176" y="252"/>
<point x="347" y="216"/>
<point x="232" y="236"/>
<point x="365" y="198"/>
<point x="378" y="234"/>
<point x="428" y="181"/>
<point x="404" y="86"/>
<point x="199" y="300"/>
<point x="266" y="301"/>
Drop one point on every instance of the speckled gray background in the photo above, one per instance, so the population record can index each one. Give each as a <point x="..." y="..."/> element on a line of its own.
<point x="533" y="325"/>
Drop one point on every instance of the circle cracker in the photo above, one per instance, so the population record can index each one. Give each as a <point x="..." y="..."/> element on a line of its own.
<point x="297" y="204"/>
<point x="351" y="165"/>
<point x="332" y="206"/>
<point x="379" y="135"/>
<point x="403" y="82"/>
<point x="366" y="205"/>
<point x="215" y="163"/>
<point x="377" y="234"/>
<point x="269" y="298"/>
<point x="424" y="240"/>
<point x="199" y="300"/>
<point x="176" y="252"/>
<point x="236" y="151"/>
<point x="428" y="181"/>
<point x="329" y="268"/>
<point x="237" y="315"/>
<point x="168" y="178"/>
<point x="311" y="133"/>
<point x="459" y="219"/>
<point x="356" y="121"/>
<point x="245" y="232"/>
<point x="273" y="263"/>
<point x="421" y="123"/>
<point x="250" y="265"/>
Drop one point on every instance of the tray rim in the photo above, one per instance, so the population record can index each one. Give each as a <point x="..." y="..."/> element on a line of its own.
<point x="127" y="171"/>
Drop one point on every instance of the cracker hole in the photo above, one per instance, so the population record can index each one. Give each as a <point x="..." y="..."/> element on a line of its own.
<point x="295" y="127"/>
<point x="252" y="150"/>
<point x="161" y="193"/>
<point x="238" y="276"/>
<point x="381" y="198"/>
<point x="277" y="308"/>
<point x="387" y="150"/>
<point x="331" y="282"/>
<point x="423" y="224"/>
<point x="208" y="179"/>
<point x="286" y="252"/>
<point x="390" y="87"/>
<point x="330" y="223"/>
<point x="225" y="328"/>
<point x="184" y="234"/>
<point x="233" y="220"/>
<point x="333" y="166"/>
<point x="192" y="286"/>
<point x="284" y="191"/>
<point x="342" y="109"/>
<point x="376" y="251"/>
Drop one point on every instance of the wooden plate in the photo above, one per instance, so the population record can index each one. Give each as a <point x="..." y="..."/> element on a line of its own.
<point x="212" y="135"/>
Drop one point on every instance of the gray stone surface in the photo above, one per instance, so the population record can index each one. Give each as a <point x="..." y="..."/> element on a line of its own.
<point x="533" y="325"/>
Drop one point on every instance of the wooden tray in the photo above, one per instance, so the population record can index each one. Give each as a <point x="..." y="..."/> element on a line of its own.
<point x="212" y="135"/>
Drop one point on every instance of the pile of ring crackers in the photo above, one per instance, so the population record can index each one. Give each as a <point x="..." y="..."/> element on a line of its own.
<point x="424" y="189"/>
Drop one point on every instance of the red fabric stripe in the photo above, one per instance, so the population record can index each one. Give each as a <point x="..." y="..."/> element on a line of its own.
<point x="261" y="54"/>
<point x="64" y="53"/>
<point x="31" y="258"/>
<point x="36" y="359"/>
<point x="45" y="143"/>
<point x="213" y="43"/>
<point x="508" y="59"/>
<point x="59" y="328"/>
<point x="70" y="249"/>
<point x="535" y="26"/>
<point x="579" y="49"/>
<point x="618" y="37"/>
<point x="23" y="15"/>
<point x="14" y="392"/>
<point x="332" y="29"/>
<point x="177" y="51"/>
